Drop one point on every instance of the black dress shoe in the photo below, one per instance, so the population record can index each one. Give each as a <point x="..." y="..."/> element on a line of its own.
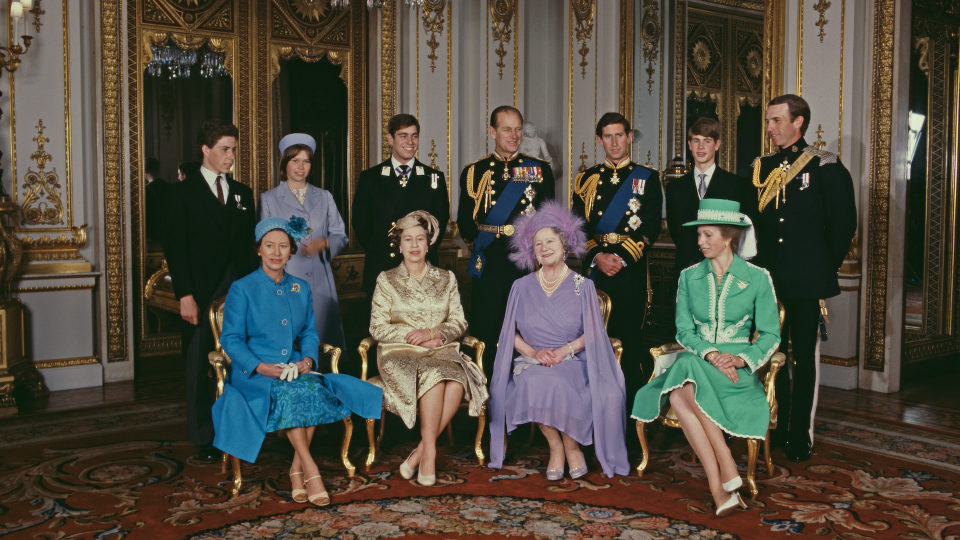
<point x="798" y="451"/>
<point x="207" y="452"/>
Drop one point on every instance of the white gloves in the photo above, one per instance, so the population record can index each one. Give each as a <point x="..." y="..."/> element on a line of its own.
<point x="290" y="372"/>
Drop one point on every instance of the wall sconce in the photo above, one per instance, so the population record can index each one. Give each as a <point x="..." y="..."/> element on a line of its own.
<point x="10" y="56"/>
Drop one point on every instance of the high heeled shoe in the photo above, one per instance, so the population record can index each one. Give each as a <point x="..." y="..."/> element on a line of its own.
<point x="555" y="474"/>
<point x="733" y="485"/>
<point x="320" y="499"/>
<point x="407" y="471"/>
<point x="581" y="470"/>
<point x="728" y="507"/>
<point x="298" y="495"/>
<point x="425" y="480"/>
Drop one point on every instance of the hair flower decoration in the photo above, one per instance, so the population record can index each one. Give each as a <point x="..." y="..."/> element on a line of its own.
<point x="298" y="228"/>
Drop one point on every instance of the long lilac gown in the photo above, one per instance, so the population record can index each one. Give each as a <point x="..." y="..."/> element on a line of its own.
<point x="583" y="397"/>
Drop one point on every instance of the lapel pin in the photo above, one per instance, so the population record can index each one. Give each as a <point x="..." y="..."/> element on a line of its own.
<point x="419" y="170"/>
<point x="385" y="171"/>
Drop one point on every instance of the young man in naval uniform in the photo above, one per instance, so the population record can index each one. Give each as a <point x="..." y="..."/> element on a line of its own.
<point x="807" y="218"/>
<point x="390" y="190"/>
<point x="623" y="205"/>
<point x="493" y="192"/>
<point x="705" y="181"/>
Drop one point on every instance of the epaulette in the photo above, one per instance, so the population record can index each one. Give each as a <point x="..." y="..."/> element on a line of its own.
<point x="761" y="157"/>
<point x="825" y="157"/>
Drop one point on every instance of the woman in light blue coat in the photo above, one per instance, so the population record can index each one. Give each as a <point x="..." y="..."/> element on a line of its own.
<point x="269" y="331"/>
<point x="326" y="238"/>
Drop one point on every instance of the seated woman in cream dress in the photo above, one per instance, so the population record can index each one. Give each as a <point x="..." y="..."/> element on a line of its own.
<point x="417" y="318"/>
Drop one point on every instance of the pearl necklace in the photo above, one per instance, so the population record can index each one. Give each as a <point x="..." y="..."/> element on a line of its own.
<point x="420" y="276"/>
<point x="550" y="286"/>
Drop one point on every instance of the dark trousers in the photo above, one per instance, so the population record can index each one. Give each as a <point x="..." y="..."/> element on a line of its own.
<point x="488" y="307"/>
<point x="627" y="290"/>
<point x="797" y="407"/>
<point x="198" y="342"/>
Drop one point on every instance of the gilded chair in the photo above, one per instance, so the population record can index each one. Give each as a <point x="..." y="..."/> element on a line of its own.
<point x="369" y="344"/>
<point x="663" y="358"/>
<point x="221" y="364"/>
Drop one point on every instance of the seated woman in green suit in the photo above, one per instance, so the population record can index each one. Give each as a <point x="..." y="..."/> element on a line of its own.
<point x="713" y="386"/>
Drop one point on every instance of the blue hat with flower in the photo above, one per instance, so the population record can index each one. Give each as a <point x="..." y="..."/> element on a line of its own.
<point x="296" y="227"/>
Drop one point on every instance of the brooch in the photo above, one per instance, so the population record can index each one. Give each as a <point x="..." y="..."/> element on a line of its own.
<point x="295" y="288"/>
<point x="239" y="206"/>
<point x="634" y="222"/>
<point x="385" y="171"/>
<point x="742" y="284"/>
<point x="634" y="204"/>
<point x="419" y="170"/>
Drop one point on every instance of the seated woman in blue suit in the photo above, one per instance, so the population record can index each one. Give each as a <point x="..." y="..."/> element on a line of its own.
<point x="269" y="326"/>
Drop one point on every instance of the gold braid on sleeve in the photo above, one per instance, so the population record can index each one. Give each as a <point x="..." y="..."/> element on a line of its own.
<point x="586" y="191"/>
<point x="481" y="190"/>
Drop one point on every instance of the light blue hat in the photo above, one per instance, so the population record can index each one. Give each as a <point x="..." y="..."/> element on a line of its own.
<point x="297" y="138"/>
<point x="296" y="227"/>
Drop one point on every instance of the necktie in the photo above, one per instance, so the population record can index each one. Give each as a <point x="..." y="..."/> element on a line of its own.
<point x="402" y="173"/>
<point x="703" y="185"/>
<point x="220" y="191"/>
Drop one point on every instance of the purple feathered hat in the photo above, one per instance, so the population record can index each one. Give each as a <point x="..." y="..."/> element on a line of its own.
<point x="550" y="214"/>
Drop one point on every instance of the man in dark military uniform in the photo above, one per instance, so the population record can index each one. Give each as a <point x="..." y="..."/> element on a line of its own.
<point x="391" y="190"/>
<point x="493" y="192"/>
<point x="623" y="205"/>
<point x="807" y="218"/>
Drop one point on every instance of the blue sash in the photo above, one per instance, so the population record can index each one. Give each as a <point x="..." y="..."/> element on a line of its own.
<point x="618" y="206"/>
<point x="498" y="216"/>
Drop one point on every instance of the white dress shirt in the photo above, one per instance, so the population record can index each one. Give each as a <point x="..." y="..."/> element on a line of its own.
<point x="211" y="178"/>
<point x="706" y="180"/>
<point x="396" y="164"/>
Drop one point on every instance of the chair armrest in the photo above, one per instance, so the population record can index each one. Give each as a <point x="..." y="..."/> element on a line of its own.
<point x="777" y="361"/>
<point x="334" y="353"/>
<point x="365" y="346"/>
<point x="478" y="346"/>
<point x="220" y="362"/>
<point x="617" y="349"/>
<point x="663" y="357"/>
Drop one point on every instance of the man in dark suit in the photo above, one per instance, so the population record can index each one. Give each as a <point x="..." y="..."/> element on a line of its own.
<point x="391" y="190"/>
<point x="807" y="218"/>
<point x="623" y="206"/>
<point x="706" y="181"/>
<point x="493" y="192"/>
<point x="209" y="245"/>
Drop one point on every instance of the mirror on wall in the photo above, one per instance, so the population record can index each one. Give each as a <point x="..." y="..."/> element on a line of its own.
<point x="182" y="88"/>
<point x="310" y="97"/>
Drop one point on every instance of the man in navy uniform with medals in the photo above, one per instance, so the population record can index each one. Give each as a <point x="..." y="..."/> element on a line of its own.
<point x="493" y="192"/>
<point x="623" y="205"/>
<point x="390" y="190"/>
<point x="807" y="218"/>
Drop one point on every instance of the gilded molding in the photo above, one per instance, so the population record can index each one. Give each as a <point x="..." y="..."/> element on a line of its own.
<point x="308" y="54"/>
<point x="53" y="288"/>
<point x="61" y="248"/>
<point x="799" y="47"/>
<point x="450" y="103"/>
<point x="68" y="130"/>
<point x="842" y="362"/>
<point x="746" y="4"/>
<point x="114" y="191"/>
<point x="821" y="7"/>
<point x="38" y="11"/>
<point x="626" y="59"/>
<point x="843" y="20"/>
<point x="881" y="140"/>
<point x="583" y="11"/>
<point x="680" y="48"/>
<point x="651" y="31"/>
<point x="774" y="30"/>
<point x="433" y="23"/>
<point x="502" y="13"/>
<point x="41" y="201"/>
<point x="66" y="362"/>
<point x="388" y="72"/>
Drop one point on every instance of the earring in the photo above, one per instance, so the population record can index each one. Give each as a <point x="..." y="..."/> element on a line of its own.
<point x="725" y="244"/>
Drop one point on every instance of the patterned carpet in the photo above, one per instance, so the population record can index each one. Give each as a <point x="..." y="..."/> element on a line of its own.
<point x="867" y="480"/>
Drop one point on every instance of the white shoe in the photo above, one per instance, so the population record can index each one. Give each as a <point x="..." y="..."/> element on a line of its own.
<point x="425" y="480"/>
<point x="733" y="485"/>
<point x="728" y="507"/>
<point x="407" y="471"/>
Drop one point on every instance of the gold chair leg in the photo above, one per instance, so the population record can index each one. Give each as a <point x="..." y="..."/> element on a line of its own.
<point x="237" y="478"/>
<point x="345" y="447"/>
<point x="372" y="453"/>
<point x="481" y="425"/>
<point x="753" y="448"/>
<point x="766" y="454"/>
<point x="224" y="463"/>
<point x="383" y="423"/>
<point x="642" y="435"/>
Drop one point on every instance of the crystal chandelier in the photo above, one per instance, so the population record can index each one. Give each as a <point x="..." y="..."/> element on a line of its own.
<point x="178" y="63"/>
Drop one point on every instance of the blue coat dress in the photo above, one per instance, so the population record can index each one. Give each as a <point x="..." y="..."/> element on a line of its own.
<point x="322" y="216"/>
<point x="271" y="323"/>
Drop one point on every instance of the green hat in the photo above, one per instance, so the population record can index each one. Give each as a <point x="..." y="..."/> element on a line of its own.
<point x="719" y="212"/>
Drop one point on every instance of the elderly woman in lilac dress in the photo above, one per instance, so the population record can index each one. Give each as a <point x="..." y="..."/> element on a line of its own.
<point x="561" y="371"/>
